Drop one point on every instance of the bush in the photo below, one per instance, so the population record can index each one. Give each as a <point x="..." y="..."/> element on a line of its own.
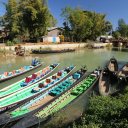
<point x="15" y="40"/>
<point x="106" y="112"/>
<point x="9" y="43"/>
<point x="61" y="38"/>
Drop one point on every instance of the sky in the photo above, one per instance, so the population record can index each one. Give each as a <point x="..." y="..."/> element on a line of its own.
<point x="114" y="9"/>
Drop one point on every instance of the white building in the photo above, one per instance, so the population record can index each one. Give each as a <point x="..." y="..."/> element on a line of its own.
<point x="53" y="35"/>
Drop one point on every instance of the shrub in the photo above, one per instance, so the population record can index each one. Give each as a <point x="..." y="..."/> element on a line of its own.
<point x="15" y="40"/>
<point x="9" y="43"/>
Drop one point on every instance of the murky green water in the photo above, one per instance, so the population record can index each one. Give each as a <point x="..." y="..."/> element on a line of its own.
<point x="90" y="58"/>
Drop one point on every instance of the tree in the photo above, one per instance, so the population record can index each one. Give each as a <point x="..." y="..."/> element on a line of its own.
<point x="122" y="28"/>
<point x="108" y="26"/>
<point x="67" y="32"/>
<point x="12" y="18"/>
<point x="116" y="34"/>
<point x="80" y="25"/>
<point x="36" y="18"/>
<point x="28" y="17"/>
<point x="85" y="24"/>
<point x="76" y="23"/>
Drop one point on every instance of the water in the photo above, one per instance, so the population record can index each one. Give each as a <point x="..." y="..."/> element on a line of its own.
<point x="91" y="58"/>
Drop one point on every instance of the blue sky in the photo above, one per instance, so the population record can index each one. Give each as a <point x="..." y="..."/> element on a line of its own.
<point x="114" y="9"/>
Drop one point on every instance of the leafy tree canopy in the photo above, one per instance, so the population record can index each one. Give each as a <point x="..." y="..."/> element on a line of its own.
<point x="122" y="30"/>
<point x="85" y="24"/>
<point x="28" y="17"/>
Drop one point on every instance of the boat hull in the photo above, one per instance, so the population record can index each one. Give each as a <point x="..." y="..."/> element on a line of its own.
<point x="104" y="82"/>
<point x="6" y="117"/>
<point x="52" y="51"/>
<point x="34" y="120"/>
<point x="2" y="80"/>
<point x="28" y="91"/>
<point x="17" y="86"/>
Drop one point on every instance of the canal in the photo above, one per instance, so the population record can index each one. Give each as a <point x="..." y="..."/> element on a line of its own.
<point x="92" y="58"/>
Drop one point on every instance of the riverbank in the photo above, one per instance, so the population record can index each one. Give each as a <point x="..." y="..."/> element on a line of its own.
<point x="30" y="46"/>
<point x="10" y="50"/>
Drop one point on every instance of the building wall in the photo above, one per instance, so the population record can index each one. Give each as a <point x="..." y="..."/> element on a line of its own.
<point x="51" y="39"/>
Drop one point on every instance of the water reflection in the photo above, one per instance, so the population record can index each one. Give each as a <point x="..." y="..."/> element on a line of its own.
<point x="120" y="49"/>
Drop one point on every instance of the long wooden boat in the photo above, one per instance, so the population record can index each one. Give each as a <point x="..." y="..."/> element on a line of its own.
<point x="52" y="51"/>
<point x="28" y="81"/>
<point x="8" y="75"/>
<point x="60" y="102"/>
<point x="108" y="76"/>
<point x="104" y="82"/>
<point x="43" y="99"/>
<point x="34" y="90"/>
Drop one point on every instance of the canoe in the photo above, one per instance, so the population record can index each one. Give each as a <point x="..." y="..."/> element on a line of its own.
<point x="108" y="76"/>
<point x="41" y="100"/>
<point x="60" y="102"/>
<point x="8" y="75"/>
<point x="104" y="82"/>
<point x="34" y="90"/>
<point x="52" y="51"/>
<point x="28" y="81"/>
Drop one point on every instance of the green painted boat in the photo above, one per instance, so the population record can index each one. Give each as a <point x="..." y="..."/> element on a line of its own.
<point x="62" y="101"/>
<point x="43" y="99"/>
<point x="9" y="75"/>
<point x="34" y="90"/>
<point x="28" y="81"/>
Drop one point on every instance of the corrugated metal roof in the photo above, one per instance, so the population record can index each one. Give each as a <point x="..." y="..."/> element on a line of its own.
<point x="52" y="28"/>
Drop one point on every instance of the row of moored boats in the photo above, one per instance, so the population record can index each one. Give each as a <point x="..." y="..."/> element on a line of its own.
<point x="35" y="98"/>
